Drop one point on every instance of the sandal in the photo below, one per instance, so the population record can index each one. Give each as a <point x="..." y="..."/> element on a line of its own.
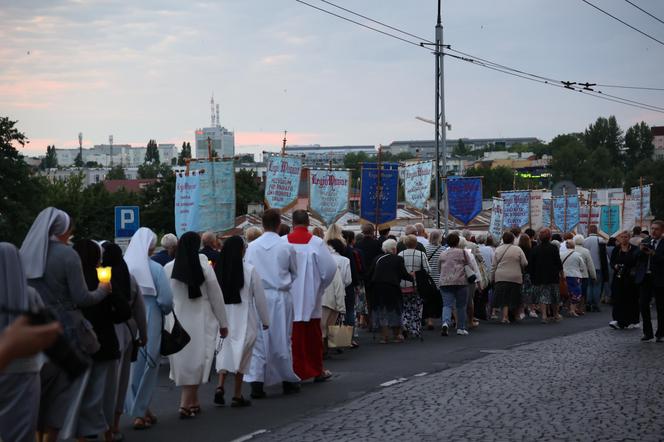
<point x="219" y="396"/>
<point x="327" y="374"/>
<point x="196" y="409"/>
<point x="354" y="344"/>
<point x="240" y="402"/>
<point x="141" y="424"/>
<point x="505" y="321"/>
<point x="398" y="339"/>
<point x="186" y="413"/>
<point x="149" y="416"/>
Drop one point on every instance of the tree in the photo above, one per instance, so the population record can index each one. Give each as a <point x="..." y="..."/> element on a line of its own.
<point x="460" y="149"/>
<point x="185" y="154"/>
<point x="92" y="164"/>
<point x="50" y="161"/>
<point x="78" y="161"/>
<point x="587" y="168"/>
<point x="151" y="171"/>
<point x="495" y="180"/>
<point x="152" y="153"/>
<point x="116" y="173"/>
<point x="21" y="194"/>
<point x="157" y="202"/>
<point x="638" y="144"/>
<point x="247" y="190"/>
<point x="605" y="133"/>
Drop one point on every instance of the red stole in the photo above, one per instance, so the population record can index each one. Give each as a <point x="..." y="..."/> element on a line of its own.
<point x="300" y="235"/>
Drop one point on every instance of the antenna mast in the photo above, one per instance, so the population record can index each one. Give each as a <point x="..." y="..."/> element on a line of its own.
<point x="80" y="145"/>
<point x="212" y="110"/>
<point x="110" y="143"/>
<point x="218" y="119"/>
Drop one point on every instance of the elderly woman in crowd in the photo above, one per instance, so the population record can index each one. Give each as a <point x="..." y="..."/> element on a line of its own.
<point x="158" y="300"/>
<point x="526" y="246"/>
<point x="245" y="304"/>
<point x="624" y="291"/>
<point x="199" y="306"/>
<point x="252" y="233"/>
<point x="545" y="267"/>
<point x="385" y="274"/>
<point x="54" y="269"/>
<point x="433" y="305"/>
<point x="574" y="269"/>
<point x="169" y="244"/>
<point x="334" y="296"/>
<point x="453" y="284"/>
<point x="509" y="263"/>
<point x="588" y="276"/>
<point x="416" y="261"/>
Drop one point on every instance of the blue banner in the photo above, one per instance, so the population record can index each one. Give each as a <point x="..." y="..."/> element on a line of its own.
<point x="187" y="199"/>
<point x="516" y="212"/>
<point x="378" y="204"/>
<point x="282" y="182"/>
<point x="417" y="183"/>
<point x="216" y="207"/>
<point x="464" y="197"/>
<point x="609" y="220"/>
<point x="328" y="193"/>
<point x="566" y="212"/>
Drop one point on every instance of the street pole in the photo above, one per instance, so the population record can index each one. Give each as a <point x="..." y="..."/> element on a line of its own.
<point x="441" y="132"/>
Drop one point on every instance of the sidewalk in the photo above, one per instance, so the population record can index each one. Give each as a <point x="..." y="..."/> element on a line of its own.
<point x="601" y="385"/>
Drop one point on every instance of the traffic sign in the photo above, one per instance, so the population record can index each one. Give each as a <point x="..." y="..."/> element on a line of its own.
<point x="127" y="221"/>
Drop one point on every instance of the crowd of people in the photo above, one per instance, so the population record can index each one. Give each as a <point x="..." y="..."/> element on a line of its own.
<point x="260" y="307"/>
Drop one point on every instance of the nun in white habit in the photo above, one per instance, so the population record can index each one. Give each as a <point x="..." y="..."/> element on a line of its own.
<point x="158" y="301"/>
<point x="19" y="382"/>
<point x="199" y="306"/>
<point x="54" y="269"/>
<point x="245" y="300"/>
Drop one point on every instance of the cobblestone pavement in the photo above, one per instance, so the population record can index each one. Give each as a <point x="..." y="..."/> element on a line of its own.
<point x="601" y="385"/>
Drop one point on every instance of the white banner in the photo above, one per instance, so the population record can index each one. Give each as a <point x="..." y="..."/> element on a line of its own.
<point x="417" y="184"/>
<point x="536" y="207"/>
<point x="587" y="214"/>
<point x="642" y="195"/>
<point x="630" y="209"/>
<point x="496" y="226"/>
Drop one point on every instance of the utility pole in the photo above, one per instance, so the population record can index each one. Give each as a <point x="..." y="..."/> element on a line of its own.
<point x="80" y="146"/>
<point x="441" y="126"/>
<point x="110" y="143"/>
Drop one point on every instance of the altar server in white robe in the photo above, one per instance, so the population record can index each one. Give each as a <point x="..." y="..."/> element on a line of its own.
<point x="316" y="269"/>
<point x="245" y="303"/>
<point x="272" y="360"/>
<point x="199" y="306"/>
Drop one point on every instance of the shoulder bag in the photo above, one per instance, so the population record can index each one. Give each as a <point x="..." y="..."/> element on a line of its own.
<point x="562" y="282"/>
<point x="175" y="340"/>
<point x="471" y="277"/>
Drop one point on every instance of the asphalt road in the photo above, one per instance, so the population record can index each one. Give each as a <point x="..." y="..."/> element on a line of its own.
<point x="356" y="373"/>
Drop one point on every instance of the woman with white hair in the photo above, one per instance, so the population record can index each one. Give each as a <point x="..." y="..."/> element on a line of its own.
<point x="169" y="242"/>
<point x="589" y="275"/>
<point x="412" y="299"/>
<point x="573" y="268"/>
<point x="158" y="299"/>
<point x="385" y="275"/>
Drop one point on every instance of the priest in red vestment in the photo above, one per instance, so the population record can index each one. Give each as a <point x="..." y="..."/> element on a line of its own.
<point x="315" y="270"/>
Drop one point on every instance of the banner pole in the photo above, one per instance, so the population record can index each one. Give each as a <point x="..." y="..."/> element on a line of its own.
<point x="565" y="210"/>
<point x="379" y="189"/>
<point x="590" y="209"/>
<point x="641" y="209"/>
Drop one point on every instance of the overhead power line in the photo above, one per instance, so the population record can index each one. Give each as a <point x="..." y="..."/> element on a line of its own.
<point x="584" y="88"/>
<point x="644" y="11"/>
<point x="359" y="24"/>
<point x="623" y="22"/>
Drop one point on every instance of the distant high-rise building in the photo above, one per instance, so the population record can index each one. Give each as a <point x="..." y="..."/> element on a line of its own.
<point x="658" y="142"/>
<point x="221" y="140"/>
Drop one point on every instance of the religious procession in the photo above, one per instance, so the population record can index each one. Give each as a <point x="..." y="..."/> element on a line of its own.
<point x="259" y="313"/>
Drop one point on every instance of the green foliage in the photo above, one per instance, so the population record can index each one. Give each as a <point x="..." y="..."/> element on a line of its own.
<point x="638" y="144"/>
<point x="461" y="149"/>
<point x="153" y="171"/>
<point x="78" y="161"/>
<point x="496" y="180"/>
<point x="152" y="153"/>
<point x="247" y="190"/>
<point x="605" y="133"/>
<point x="185" y="153"/>
<point x="116" y="173"/>
<point x="92" y="164"/>
<point x="21" y="194"/>
<point x="50" y="161"/>
<point x="157" y="203"/>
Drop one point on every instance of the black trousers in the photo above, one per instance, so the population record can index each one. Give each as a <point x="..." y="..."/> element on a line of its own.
<point x="647" y="292"/>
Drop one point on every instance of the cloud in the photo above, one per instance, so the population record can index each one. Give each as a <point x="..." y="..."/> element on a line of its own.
<point x="277" y="59"/>
<point x="273" y="138"/>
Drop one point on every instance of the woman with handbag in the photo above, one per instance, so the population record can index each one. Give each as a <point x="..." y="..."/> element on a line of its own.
<point x="132" y="334"/>
<point x="334" y="296"/>
<point x="54" y="269"/>
<point x="573" y="268"/>
<point x="199" y="306"/>
<point x="433" y="304"/>
<point x="453" y="282"/>
<point x="245" y="305"/>
<point x="93" y="412"/>
<point x="386" y="272"/>
<point x="158" y="300"/>
<point x="416" y="261"/>
<point x="509" y="262"/>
